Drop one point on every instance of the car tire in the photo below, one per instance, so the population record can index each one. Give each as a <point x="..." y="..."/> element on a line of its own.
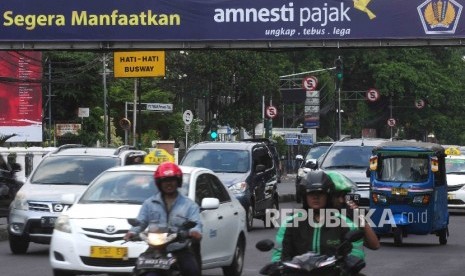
<point x="276" y="207"/>
<point x="18" y="244"/>
<point x="250" y="216"/>
<point x="235" y="269"/>
<point x="59" y="272"/>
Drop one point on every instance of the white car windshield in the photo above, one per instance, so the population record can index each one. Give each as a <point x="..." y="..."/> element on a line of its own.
<point x="132" y="187"/>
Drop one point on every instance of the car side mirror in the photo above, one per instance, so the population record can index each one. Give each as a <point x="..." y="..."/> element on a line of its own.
<point x="210" y="203"/>
<point x="310" y="164"/>
<point x="368" y="172"/>
<point x="299" y="157"/>
<point x="265" y="245"/>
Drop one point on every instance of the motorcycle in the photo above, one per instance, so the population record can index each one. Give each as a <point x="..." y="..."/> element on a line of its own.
<point x="311" y="263"/>
<point x="163" y="242"/>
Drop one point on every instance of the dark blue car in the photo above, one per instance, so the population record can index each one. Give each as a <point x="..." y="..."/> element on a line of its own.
<point x="246" y="168"/>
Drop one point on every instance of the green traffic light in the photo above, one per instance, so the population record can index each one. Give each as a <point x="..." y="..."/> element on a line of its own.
<point x="339" y="76"/>
<point x="213" y="135"/>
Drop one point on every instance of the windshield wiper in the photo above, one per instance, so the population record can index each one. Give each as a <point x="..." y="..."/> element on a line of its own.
<point x="345" y="167"/>
<point x="127" y="201"/>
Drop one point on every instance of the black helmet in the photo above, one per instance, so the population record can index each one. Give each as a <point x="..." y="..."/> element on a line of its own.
<point x="318" y="181"/>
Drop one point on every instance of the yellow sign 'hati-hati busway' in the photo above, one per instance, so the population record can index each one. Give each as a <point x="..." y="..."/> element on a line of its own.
<point x="138" y="64"/>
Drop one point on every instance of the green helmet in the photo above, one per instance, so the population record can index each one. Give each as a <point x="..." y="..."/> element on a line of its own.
<point x="341" y="182"/>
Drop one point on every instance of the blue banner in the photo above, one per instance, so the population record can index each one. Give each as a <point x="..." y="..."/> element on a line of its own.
<point x="229" y="20"/>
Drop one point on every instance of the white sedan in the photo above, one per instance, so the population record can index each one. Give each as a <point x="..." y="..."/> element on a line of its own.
<point x="455" y="173"/>
<point x="88" y="238"/>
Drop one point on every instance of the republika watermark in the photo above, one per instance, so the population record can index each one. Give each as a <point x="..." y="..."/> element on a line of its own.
<point x="338" y="218"/>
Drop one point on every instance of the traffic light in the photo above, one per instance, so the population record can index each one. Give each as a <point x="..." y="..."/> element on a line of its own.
<point x="213" y="129"/>
<point x="339" y="68"/>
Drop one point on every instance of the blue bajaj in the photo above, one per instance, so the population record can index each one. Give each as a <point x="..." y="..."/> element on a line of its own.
<point x="409" y="190"/>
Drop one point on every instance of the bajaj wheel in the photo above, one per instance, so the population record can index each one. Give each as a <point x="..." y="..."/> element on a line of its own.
<point x="443" y="236"/>
<point x="398" y="236"/>
<point x="18" y="244"/>
<point x="235" y="269"/>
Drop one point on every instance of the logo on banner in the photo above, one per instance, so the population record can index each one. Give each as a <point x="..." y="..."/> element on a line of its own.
<point x="440" y="16"/>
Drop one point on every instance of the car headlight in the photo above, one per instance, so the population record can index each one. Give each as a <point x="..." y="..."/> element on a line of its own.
<point x="20" y="202"/>
<point x="62" y="224"/>
<point x="238" y="188"/>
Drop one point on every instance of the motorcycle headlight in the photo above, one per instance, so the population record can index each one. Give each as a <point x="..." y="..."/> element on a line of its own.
<point x="238" y="188"/>
<point x="62" y="224"/>
<point x="157" y="239"/>
<point x="20" y="202"/>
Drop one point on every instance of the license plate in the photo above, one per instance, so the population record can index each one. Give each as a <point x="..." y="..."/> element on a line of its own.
<point x="109" y="252"/>
<point x="158" y="263"/>
<point x="47" y="222"/>
<point x="450" y="196"/>
<point x="399" y="191"/>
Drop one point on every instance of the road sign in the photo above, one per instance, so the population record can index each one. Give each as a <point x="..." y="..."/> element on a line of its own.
<point x="125" y="124"/>
<point x="187" y="117"/>
<point x="187" y="128"/>
<point x="159" y="107"/>
<point x="419" y="104"/>
<point x="310" y="83"/>
<point x="391" y="122"/>
<point x="83" y="112"/>
<point x="271" y="111"/>
<point x="135" y="64"/>
<point x="373" y="95"/>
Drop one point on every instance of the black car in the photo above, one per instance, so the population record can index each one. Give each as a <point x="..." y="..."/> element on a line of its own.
<point x="9" y="185"/>
<point x="246" y="168"/>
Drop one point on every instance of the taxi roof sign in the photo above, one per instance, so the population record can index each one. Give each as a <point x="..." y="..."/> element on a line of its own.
<point x="452" y="151"/>
<point x="158" y="156"/>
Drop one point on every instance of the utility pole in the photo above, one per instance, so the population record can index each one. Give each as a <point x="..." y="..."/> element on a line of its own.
<point x="339" y="67"/>
<point x="49" y="100"/>
<point x="105" y="116"/>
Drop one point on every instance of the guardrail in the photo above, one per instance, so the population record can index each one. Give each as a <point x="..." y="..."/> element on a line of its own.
<point x="28" y="158"/>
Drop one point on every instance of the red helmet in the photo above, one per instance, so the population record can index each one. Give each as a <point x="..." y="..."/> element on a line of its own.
<point x="167" y="170"/>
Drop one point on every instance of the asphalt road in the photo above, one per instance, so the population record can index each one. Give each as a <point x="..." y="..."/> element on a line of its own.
<point x="419" y="255"/>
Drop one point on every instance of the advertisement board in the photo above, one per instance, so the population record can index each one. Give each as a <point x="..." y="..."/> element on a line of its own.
<point x="21" y="95"/>
<point x="229" y="20"/>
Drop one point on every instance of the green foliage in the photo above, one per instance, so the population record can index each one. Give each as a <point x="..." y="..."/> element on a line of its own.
<point x="231" y="84"/>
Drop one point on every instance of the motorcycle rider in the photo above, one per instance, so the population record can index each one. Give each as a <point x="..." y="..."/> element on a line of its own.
<point x="313" y="234"/>
<point x="169" y="207"/>
<point x="338" y="200"/>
